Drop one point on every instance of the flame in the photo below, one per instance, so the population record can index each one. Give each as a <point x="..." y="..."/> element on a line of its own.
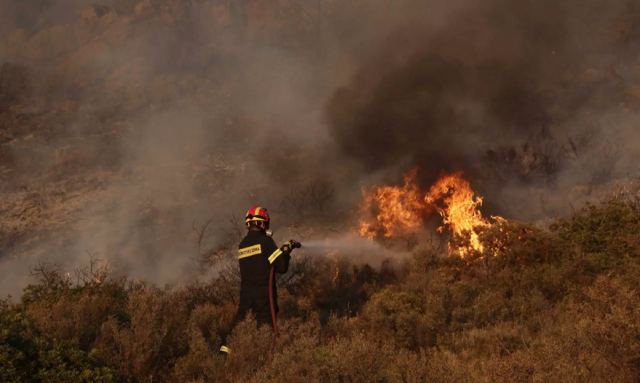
<point x="401" y="210"/>
<point x="454" y="199"/>
<point x="397" y="209"/>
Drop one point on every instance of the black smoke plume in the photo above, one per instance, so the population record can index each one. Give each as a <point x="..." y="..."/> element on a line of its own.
<point x="512" y="93"/>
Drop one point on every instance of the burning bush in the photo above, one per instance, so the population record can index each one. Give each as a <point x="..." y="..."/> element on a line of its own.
<point x="397" y="211"/>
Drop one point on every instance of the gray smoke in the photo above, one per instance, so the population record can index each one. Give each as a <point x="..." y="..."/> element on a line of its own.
<point x="140" y="131"/>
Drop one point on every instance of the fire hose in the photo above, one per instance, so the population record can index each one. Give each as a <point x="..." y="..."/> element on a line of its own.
<point x="272" y="306"/>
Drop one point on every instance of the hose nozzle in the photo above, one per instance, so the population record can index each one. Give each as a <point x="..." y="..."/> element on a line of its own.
<point x="295" y="244"/>
<point x="292" y="244"/>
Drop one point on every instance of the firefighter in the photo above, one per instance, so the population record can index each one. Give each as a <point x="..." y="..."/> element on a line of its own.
<point x="260" y="258"/>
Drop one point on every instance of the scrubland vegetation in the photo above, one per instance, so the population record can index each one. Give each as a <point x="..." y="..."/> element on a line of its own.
<point x="555" y="304"/>
<point x="128" y="125"/>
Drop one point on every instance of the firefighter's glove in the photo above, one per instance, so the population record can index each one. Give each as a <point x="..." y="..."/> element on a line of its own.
<point x="287" y="247"/>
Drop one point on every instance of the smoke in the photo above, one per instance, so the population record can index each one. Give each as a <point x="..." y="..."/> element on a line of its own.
<point x="139" y="131"/>
<point x="140" y="122"/>
<point x="519" y="95"/>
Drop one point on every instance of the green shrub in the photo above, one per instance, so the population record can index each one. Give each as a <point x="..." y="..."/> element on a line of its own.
<point x="608" y="231"/>
<point x="28" y="356"/>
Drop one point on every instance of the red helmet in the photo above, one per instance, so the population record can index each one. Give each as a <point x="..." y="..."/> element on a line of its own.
<point x="257" y="213"/>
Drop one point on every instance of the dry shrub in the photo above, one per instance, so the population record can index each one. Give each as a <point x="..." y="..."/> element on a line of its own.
<point x="76" y="317"/>
<point x="499" y="340"/>
<point x="202" y="363"/>
<point x="250" y="350"/>
<point x="145" y="347"/>
<point x="326" y="286"/>
<point x="592" y="337"/>
<point x="399" y="317"/>
<point x="354" y="359"/>
<point x="446" y="367"/>
<point x="597" y="337"/>
<point x="306" y="352"/>
<point x="558" y="305"/>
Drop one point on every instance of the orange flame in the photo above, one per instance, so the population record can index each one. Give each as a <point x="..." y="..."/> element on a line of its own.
<point x="460" y="209"/>
<point x="397" y="209"/>
<point x="401" y="210"/>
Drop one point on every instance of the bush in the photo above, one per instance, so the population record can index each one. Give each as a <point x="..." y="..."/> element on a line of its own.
<point x="558" y="304"/>
<point x="28" y="356"/>
<point x="398" y="317"/>
<point x="605" y="234"/>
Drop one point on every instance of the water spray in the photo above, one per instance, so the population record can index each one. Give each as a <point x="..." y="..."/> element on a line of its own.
<point x="353" y="246"/>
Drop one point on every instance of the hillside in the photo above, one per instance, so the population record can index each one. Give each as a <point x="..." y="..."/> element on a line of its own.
<point x="463" y="177"/>
<point x="554" y="305"/>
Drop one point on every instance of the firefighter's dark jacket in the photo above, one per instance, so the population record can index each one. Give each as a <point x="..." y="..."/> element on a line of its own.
<point x="257" y="253"/>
